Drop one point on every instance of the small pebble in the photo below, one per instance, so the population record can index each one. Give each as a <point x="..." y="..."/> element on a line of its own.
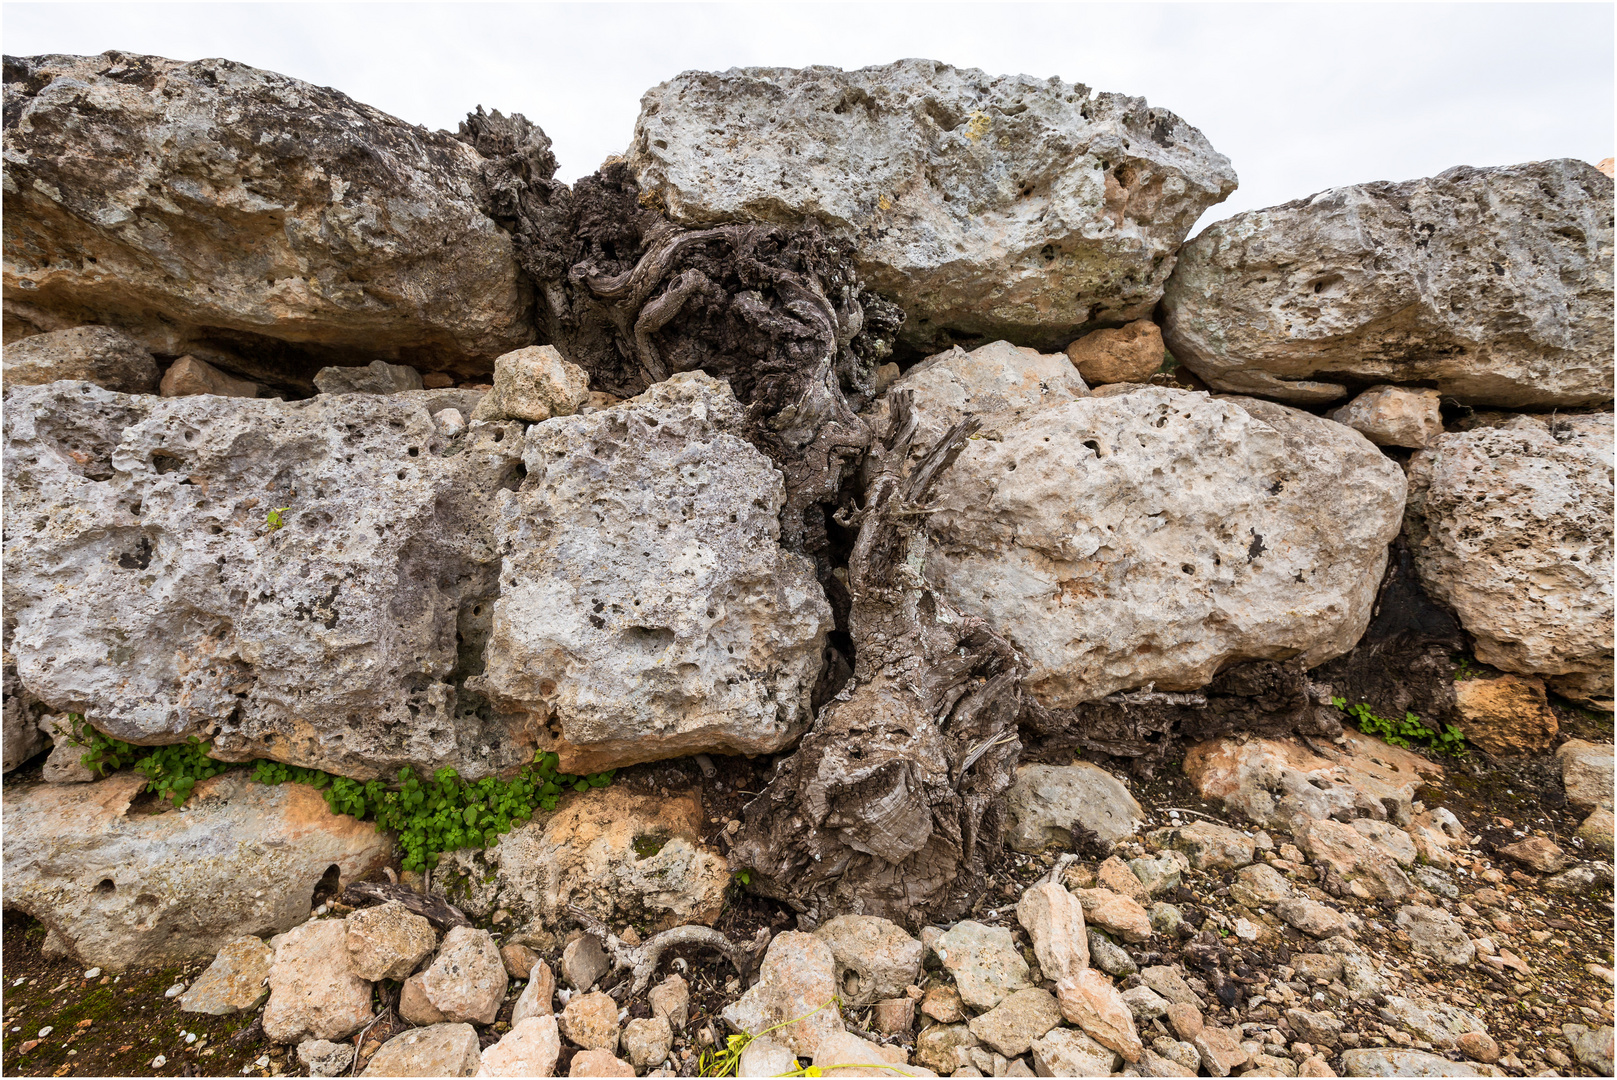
<point x="159" y="1061"/>
<point x="93" y="973"/>
<point x="174" y="991"/>
<point x="46" y="1030"/>
<point x="190" y="1037"/>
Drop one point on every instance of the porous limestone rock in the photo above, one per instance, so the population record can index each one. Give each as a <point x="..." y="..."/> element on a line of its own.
<point x="377" y="377"/>
<point x="624" y="857"/>
<point x="1493" y="284"/>
<point x="1046" y="801"/>
<point x="1586" y="773"/>
<point x="530" y="1048"/>
<point x="234" y="982"/>
<point x="1511" y="526"/>
<point x="102" y="355"/>
<point x="1353" y="856"/>
<point x="65" y="765"/>
<point x="1509" y="714"/>
<point x="764" y="1056"/>
<point x="24" y="718"/>
<point x="671" y="1000"/>
<point x="309" y="581"/>
<point x="414" y="1006"/>
<point x="214" y="205"/>
<point x="466" y="981"/>
<point x="1011" y="1026"/>
<point x="437" y="1050"/>
<point x="1069" y="1052"/>
<point x="598" y="1063"/>
<point x="1116" y="914"/>
<point x="646" y="1041"/>
<point x="1390" y="1062"/>
<point x="1394" y="416"/>
<point x="1128" y="354"/>
<point x="322" y="1057"/>
<point x="1158" y="536"/>
<point x="1440" y="1024"/>
<point x="534" y="384"/>
<point x="875" y="958"/>
<point x="1206" y="846"/>
<point x="315" y="993"/>
<point x="1054" y="919"/>
<point x="129" y="889"/>
<point x="538" y="997"/>
<point x="985" y="963"/>
<point x="388" y="941"/>
<point x="986" y="207"/>
<point x="795" y="982"/>
<point x="842" y="1053"/>
<point x="188" y="377"/>
<point x="646" y="607"/>
<point x="591" y="1021"/>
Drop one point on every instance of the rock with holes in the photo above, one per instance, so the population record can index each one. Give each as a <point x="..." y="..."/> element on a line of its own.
<point x="986" y="207"/>
<point x="310" y="581"/>
<point x="25" y="724"/>
<point x="466" y="981"/>
<point x="1394" y="416"/>
<point x="122" y="888"/>
<point x="436" y="1050"/>
<point x="875" y="958"/>
<point x="98" y="354"/>
<point x="985" y="962"/>
<point x="625" y="857"/>
<point x="534" y="384"/>
<point x="275" y="223"/>
<point x="1493" y="285"/>
<point x="1511" y="526"/>
<point x="646" y="607"/>
<point x="1158" y="536"/>
<point x="315" y="993"/>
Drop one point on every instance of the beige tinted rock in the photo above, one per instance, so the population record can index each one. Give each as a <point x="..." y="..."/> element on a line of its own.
<point x="1129" y="354"/>
<point x="1311" y="917"/>
<point x="1347" y="852"/>
<point x="314" y="991"/>
<point x="1394" y="416"/>
<point x="1389" y="838"/>
<point x="378" y="377"/>
<point x="671" y="999"/>
<point x="764" y="1056"/>
<point x="466" y="981"/>
<point x="1118" y="914"/>
<point x="1069" y="1052"/>
<point x="102" y="355"/>
<point x="211" y="201"/>
<point x="875" y="958"/>
<point x="1592" y="1047"/>
<point x="126" y="890"/>
<point x="416" y="1007"/>
<point x="583" y="961"/>
<point x="1186" y="1020"/>
<point x="1506" y="715"/>
<point x="438" y="1050"/>
<point x="25" y="719"/>
<point x="388" y="941"/>
<point x="797" y="977"/>
<point x="1207" y="846"/>
<point x="234" y="982"/>
<point x="325" y="1058"/>
<point x="1478" y="1046"/>
<point x="1095" y="1005"/>
<point x="945" y="1048"/>
<point x="590" y="853"/>
<point x="1011" y="1026"/>
<point x="599" y="1063"/>
<point x="65" y="765"/>
<point x="1045" y="800"/>
<point x="1071" y="535"/>
<point x="1596" y="830"/>
<point x="530" y="1048"/>
<point x="538" y="997"/>
<point x="984" y="206"/>
<point x="1511" y="527"/>
<point x="942" y="1002"/>
<point x="985" y="963"/>
<point x="1182" y="1055"/>
<point x="1170" y="984"/>
<point x="1315" y="1066"/>
<point x="1586" y="773"/>
<point x="1259" y="885"/>
<point x="188" y="376"/>
<point x="1436" y="934"/>
<point x="1144" y="1003"/>
<point x="1389" y="1062"/>
<point x="1054" y="919"/>
<point x="647" y="1041"/>
<point x="1315" y="1028"/>
<point x="1220" y="1050"/>
<point x="534" y="384"/>
<point x="842" y="1053"/>
<point x="894" y="1016"/>
<point x="1408" y="282"/>
<point x="1440" y="1024"/>
<point x="1114" y="874"/>
<point x="519" y="960"/>
<point x="676" y="624"/>
<point x="591" y="1021"/>
<point x="1536" y="853"/>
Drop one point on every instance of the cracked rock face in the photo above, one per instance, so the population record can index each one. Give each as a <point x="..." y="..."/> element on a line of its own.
<point x="1157" y="536"/>
<point x="214" y="208"/>
<point x="146" y="587"/>
<point x="1512" y="528"/>
<point x="986" y="207"/>
<point x="1494" y="285"/>
<point x="647" y="609"/>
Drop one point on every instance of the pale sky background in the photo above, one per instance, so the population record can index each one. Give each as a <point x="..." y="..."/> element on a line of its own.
<point x="1299" y="97"/>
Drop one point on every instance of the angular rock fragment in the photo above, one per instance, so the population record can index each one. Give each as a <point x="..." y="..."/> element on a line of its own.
<point x="1012" y="1026"/>
<point x="1389" y="1062"/>
<point x="1493" y="284"/>
<point x="377" y="377"/>
<point x="189" y="377"/>
<point x="591" y="1021"/>
<point x="842" y="1053"/>
<point x="1069" y="1052"/>
<point x="388" y="941"/>
<point x="102" y="355"/>
<point x="875" y="958"/>
<point x="467" y="980"/>
<point x="530" y="1048"/>
<point x="647" y="1041"/>
<point x="1536" y="853"/>
<point x="1207" y="846"/>
<point x="1089" y="194"/>
<point x="599" y="1063"/>
<point x="1347" y="852"/>
<point x="1436" y="934"/>
<point x="538" y="997"/>
<point x="1054" y="919"/>
<point x="583" y="962"/>
<point x="438" y="1050"/>
<point x="1046" y="801"/>
<point x="322" y="1057"/>
<point x="1505" y="715"/>
<point x="1394" y="416"/>
<point x="671" y="1000"/>
<point x="796" y="983"/>
<point x="1129" y="354"/>
<point x="234" y="982"/>
<point x="1095" y="1005"/>
<point x="534" y="384"/>
<point x="1437" y="1023"/>
<point x="315" y="993"/>
<point x="1586" y="773"/>
<point x="944" y="1048"/>
<point x="985" y="963"/>
<point x="1117" y="914"/>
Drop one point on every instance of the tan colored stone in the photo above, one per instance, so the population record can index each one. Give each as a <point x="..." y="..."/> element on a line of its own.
<point x="1605" y="166"/>
<point x="518" y="960"/>
<point x="591" y="1021"/>
<point x="530" y="1048"/>
<point x="599" y="1063"/>
<point x="188" y="376"/>
<point x="944" y="1048"/>
<point x="314" y="991"/>
<point x="538" y="997"/>
<point x="583" y="962"/>
<point x="534" y="384"/>
<point x="1114" y="874"/>
<point x="1054" y="919"/>
<point x="234" y="982"/>
<point x="467" y="981"/>
<point x="1355" y="857"/>
<point x="894" y="1016"/>
<point x="671" y="1000"/>
<point x="1186" y="1020"/>
<point x="985" y="963"/>
<point x="1596" y="830"/>
<point x="1586" y="773"/>
<point x="875" y="958"/>
<point x="1207" y="846"/>
<point x="647" y="1042"/>
<point x="1132" y="353"/>
<point x="437" y="1050"/>
<point x="1478" y="1046"/>
<point x="415" y="1006"/>
<point x="388" y="941"/>
<point x="98" y="354"/>
<point x="942" y="1003"/>
<point x="1315" y="1066"/>
<point x="1507" y="715"/>
<point x="796" y="982"/>
<point x="842" y="1053"/>
<point x="1011" y="1026"/>
<point x="1394" y="416"/>
<point x="1118" y="914"/>
<point x="1069" y="1052"/>
<point x="377" y="377"/>
<point x="764" y="1056"/>
<point x="1095" y="1005"/>
<point x="1536" y="853"/>
<point x="1220" y="1050"/>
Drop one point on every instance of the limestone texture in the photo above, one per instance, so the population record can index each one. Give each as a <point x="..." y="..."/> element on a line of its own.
<point x="97" y="354"/>
<point x="188" y="376"/>
<point x="1511" y="527"/>
<point x="315" y="993"/>
<point x="796" y="980"/>
<point x="985" y="207"/>
<point x="1046" y="801"/>
<point x="985" y="963"/>
<point x="1054" y="919"/>
<point x="534" y="384"/>
<point x="1493" y="284"/>
<point x="591" y="1021"/>
<point x="214" y="208"/>
<point x="1012" y="1026"/>
<point x="1095" y="1005"/>
<point x="1127" y="354"/>
<point x="437" y="1050"/>
<point x="1586" y="773"/>
<point x="234" y="982"/>
<point x="1158" y="536"/>
<point x="1505" y="715"/>
<point x="530" y="1048"/>
<point x="388" y="941"/>
<point x="466" y="981"/>
<point x="1394" y="416"/>
<point x="875" y="958"/>
<point x="377" y="377"/>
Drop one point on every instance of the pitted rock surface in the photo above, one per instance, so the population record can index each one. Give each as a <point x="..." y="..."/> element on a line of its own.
<point x="102" y="355"/>
<point x="315" y="993"/>
<point x="875" y="958"/>
<point x="388" y="941"/>
<point x="437" y="1050"/>
<point x="467" y="979"/>
<point x="797" y="978"/>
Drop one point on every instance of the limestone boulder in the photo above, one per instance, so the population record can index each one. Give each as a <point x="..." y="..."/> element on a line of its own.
<point x="1054" y="919"/>
<point x="388" y="941"/>
<point x="1158" y="536"/>
<point x="309" y="581"/>
<point x="1207" y="846"/>
<point x="1069" y="1052"/>
<point x="795" y="982"/>
<point x="1505" y="715"/>
<point x="875" y="958"/>
<point x="646" y="607"/>
<point x="315" y="993"/>
<point x="377" y="377"/>
<point x="234" y="982"/>
<point x="591" y="1021"/>
<point x="125" y="888"/>
<point x="466" y="981"/>
<point x="102" y="355"/>
<point x="842" y="1053"/>
<point x="1394" y="416"/>
<point x="986" y="207"/>
<point x="1494" y="285"/>
<point x="1511" y="526"/>
<point x="1128" y="354"/>
<point x="436" y="1050"/>
<point x="1046" y="801"/>
<point x="1012" y="1026"/>
<point x="625" y="857"/>
<point x="214" y="205"/>
<point x="534" y="384"/>
<point x="1389" y="1062"/>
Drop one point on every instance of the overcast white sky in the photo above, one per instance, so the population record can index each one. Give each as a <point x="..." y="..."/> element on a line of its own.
<point x="1300" y="97"/>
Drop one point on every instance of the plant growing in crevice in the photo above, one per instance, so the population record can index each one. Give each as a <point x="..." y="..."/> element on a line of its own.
<point x="170" y="771"/>
<point x="1410" y="731"/>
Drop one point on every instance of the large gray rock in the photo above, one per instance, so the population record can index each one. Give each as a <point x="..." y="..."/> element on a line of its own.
<point x="646" y="607"/>
<point x="22" y="735"/>
<point x="1045" y="801"/>
<point x="129" y="889"/>
<point x="1011" y="207"/>
<point x="214" y="208"/>
<point x="150" y="588"/>
<point x="1512" y="528"/>
<point x="1493" y="284"/>
<point x="99" y="354"/>
<point x="1157" y="536"/>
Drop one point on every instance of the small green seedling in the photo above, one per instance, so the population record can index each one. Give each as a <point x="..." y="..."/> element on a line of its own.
<point x="1406" y="732"/>
<point x="276" y="518"/>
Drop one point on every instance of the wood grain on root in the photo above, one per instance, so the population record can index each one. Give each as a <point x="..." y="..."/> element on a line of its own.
<point x="435" y="909"/>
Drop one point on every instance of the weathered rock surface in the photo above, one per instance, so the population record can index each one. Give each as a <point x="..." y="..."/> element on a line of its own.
<point x="534" y="384"/>
<point x="414" y="1005"/>
<point x="985" y="207"/>
<point x="129" y="890"/>
<point x="234" y="982"/>
<point x="315" y="993"/>
<point x="214" y="208"/>
<point x="1586" y="773"/>
<point x="1131" y="353"/>
<point x="592" y="853"/>
<point x="1207" y="846"/>
<point x="1505" y="715"/>
<point x="647" y="1041"/>
<point x="24" y="719"/>
<point x="1158" y="536"/>
<point x="842" y="1053"/>
<point x="1011" y="1026"/>
<point x="1095" y="1005"/>
<point x="1069" y="1052"/>
<point x="530" y="1048"/>
<point x="467" y="979"/>
<point x="388" y="941"/>
<point x="1391" y="1062"/>
<point x="1494" y="284"/>
<point x="1394" y="416"/>
<point x="944" y="1048"/>
<point x="1512" y="528"/>
<point x="538" y="997"/>
<point x="153" y="592"/>
<point x="1054" y="919"/>
<point x="188" y="377"/>
<point x="1437" y="1023"/>
<point x="1045" y="801"/>
<point x="1114" y="913"/>
<point x="764" y="1056"/>
<point x="1435" y="933"/>
<point x="646" y="608"/>
<point x="984" y="961"/>
<point x="438" y="1050"/>
<point x="591" y="1021"/>
<point x="599" y="1063"/>
<point x="1591" y="1047"/>
<point x="1536" y="853"/>
<point x="322" y="1057"/>
<point x="1353" y="856"/>
<point x="875" y="958"/>
<point x="797" y="978"/>
<point x="671" y="1000"/>
<point x="97" y="354"/>
<point x="377" y="377"/>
